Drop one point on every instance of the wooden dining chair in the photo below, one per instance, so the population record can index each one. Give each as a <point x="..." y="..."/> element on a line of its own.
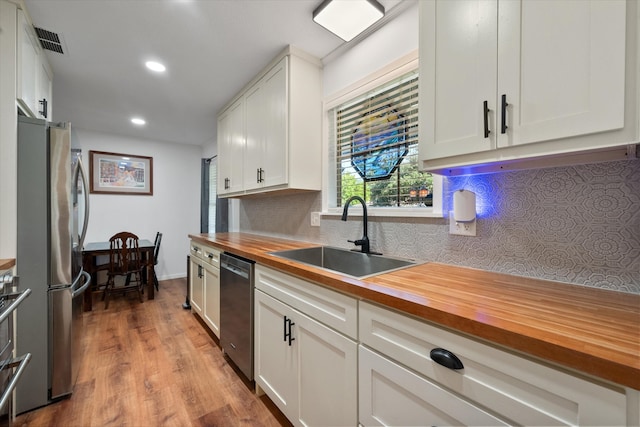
<point x="125" y="262"/>
<point x="156" y="251"/>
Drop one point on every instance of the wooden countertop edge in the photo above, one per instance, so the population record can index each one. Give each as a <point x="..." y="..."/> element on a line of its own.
<point x="7" y="263"/>
<point x="545" y="349"/>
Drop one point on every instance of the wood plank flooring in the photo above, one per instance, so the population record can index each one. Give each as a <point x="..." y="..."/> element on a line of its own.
<point x="153" y="364"/>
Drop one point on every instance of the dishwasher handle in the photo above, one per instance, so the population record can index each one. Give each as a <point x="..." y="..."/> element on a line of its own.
<point x="234" y="268"/>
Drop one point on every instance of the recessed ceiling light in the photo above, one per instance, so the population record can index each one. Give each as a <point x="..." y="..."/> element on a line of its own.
<point x="155" y="66"/>
<point x="138" y="121"/>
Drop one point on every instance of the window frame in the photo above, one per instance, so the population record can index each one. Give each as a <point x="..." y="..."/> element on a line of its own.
<point x="369" y="83"/>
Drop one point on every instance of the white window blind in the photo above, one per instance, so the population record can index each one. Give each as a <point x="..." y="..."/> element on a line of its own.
<point x="212" y="195"/>
<point x="376" y="147"/>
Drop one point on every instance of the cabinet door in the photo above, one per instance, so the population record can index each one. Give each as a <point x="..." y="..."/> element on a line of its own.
<point x="276" y="361"/>
<point x="458" y="69"/>
<point x="196" y="286"/>
<point x="327" y="380"/>
<point x="27" y="66"/>
<point x="211" y="309"/>
<point x="391" y="395"/>
<point x="231" y="149"/>
<point x="256" y="118"/>
<point x="266" y="130"/>
<point x="275" y="148"/>
<point x="312" y="378"/>
<point x="44" y="93"/>
<point x="561" y="65"/>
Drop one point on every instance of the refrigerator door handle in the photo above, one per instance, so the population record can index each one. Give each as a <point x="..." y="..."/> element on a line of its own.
<point x="84" y="287"/>
<point x="85" y="189"/>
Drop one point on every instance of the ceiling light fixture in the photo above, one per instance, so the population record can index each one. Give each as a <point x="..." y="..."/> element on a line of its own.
<point x="138" y="121"/>
<point x="155" y="66"/>
<point x="348" y="18"/>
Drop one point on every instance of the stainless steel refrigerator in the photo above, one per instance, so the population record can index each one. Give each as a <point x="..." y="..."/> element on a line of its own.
<point x="53" y="208"/>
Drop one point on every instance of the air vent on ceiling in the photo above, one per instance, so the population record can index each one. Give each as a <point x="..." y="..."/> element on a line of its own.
<point x="49" y="40"/>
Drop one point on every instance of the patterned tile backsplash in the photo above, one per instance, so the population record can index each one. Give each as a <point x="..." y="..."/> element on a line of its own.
<point x="575" y="224"/>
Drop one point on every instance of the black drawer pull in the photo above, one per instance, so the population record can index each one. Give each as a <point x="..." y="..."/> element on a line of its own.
<point x="446" y="358"/>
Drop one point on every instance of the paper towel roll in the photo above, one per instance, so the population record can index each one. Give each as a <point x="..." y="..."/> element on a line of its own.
<point x="464" y="206"/>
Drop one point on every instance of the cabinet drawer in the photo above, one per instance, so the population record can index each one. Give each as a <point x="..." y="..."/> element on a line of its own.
<point x="392" y="395"/>
<point x="206" y="253"/>
<point x="211" y="256"/>
<point x="195" y="250"/>
<point x="335" y="310"/>
<point x="520" y="390"/>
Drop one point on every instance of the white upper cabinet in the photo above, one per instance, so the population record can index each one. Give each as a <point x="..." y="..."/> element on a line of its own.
<point x="266" y="130"/>
<point x="458" y="67"/>
<point x="27" y="65"/>
<point x="504" y="80"/>
<point x="280" y="130"/>
<point x="34" y="85"/>
<point x="230" y="149"/>
<point x="44" y="89"/>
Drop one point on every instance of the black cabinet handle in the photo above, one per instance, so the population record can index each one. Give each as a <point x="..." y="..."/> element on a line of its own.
<point x="258" y="175"/>
<point x="44" y="107"/>
<point x="504" y="126"/>
<point x="287" y="330"/>
<point x="486" y="119"/>
<point x="284" y="323"/>
<point x="291" y="338"/>
<point x="199" y="271"/>
<point x="446" y="358"/>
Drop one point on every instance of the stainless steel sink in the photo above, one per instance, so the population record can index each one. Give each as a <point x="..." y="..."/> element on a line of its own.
<point x="344" y="261"/>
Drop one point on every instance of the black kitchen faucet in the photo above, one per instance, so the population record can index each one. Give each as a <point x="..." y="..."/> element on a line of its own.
<point x="364" y="241"/>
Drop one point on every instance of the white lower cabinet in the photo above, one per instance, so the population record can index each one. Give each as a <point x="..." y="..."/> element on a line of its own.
<point x="327" y="359"/>
<point x="392" y="395"/>
<point x="307" y="369"/>
<point x="400" y="384"/>
<point x="204" y="284"/>
<point x="196" y="285"/>
<point x="211" y="309"/>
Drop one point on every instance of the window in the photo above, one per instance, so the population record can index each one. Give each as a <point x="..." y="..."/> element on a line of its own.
<point x="373" y="146"/>
<point x="213" y="195"/>
<point x="208" y="196"/>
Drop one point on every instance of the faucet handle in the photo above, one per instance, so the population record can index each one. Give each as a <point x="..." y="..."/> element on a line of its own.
<point x="364" y="243"/>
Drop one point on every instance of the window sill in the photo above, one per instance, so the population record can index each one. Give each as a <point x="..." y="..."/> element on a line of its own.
<point x="386" y="212"/>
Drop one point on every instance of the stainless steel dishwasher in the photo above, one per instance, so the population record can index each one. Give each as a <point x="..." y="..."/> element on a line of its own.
<point x="236" y="311"/>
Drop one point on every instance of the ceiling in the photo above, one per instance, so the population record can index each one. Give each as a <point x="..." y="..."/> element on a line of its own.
<point x="211" y="48"/>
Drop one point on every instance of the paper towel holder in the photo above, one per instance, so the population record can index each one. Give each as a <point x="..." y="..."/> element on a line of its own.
<point x="463" y="215"/>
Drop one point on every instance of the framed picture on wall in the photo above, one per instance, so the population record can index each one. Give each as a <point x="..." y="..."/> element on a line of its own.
<point x="116" y="173"/>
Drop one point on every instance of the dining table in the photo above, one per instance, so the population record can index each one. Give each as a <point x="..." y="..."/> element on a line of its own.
<point x="90" y="253"/>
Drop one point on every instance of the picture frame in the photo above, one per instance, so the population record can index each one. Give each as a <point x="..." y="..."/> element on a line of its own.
<point x="117" y="173"/>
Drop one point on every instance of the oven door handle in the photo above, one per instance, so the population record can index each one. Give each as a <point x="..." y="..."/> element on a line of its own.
<point x="22" y="363"/>
<point x="20" y="297"/>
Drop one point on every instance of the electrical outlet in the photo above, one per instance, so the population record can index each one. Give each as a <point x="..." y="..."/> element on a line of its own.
<point x="315" y="219"/>
<point x="461" y="228"/>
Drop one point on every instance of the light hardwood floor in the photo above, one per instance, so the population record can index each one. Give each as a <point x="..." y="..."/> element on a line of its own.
<point x="153" y="364"/>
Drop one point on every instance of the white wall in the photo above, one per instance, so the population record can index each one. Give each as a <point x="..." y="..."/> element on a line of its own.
<point x="394" y="40"/>
<point x="174" y="208"/>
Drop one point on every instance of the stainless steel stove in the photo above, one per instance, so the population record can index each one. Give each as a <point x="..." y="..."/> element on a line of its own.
<point x="11" y="368"/>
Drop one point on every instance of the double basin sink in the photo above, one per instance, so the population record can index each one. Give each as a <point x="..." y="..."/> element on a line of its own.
<point x="344" y="261"/>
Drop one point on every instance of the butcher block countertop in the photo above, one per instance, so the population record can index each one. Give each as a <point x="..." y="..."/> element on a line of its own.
<point x="585" y="329"/>
<point x="7" y="263"/>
